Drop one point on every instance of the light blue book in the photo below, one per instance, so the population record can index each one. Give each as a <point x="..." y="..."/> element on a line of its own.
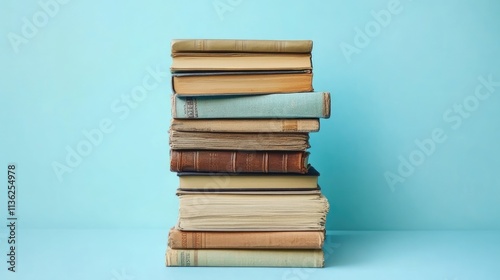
<point x="278" y="105"/>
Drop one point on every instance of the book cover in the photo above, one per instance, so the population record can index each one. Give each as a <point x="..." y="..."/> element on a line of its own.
<point x="238" y="161"/>
<point x="209" y="62"/>
<point x="245" y="240"/>
<point x="281" y="106"/>
<point x="248" y="181"/>
<point x="244" y="258"/>
<point x="241" y="83"/>
<point x="252" y="46"/>
<point x="239" y="141"/>
<point x="245" y="125"/>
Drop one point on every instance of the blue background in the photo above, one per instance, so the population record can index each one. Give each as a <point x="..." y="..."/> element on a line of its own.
<point x="75" y="70"/>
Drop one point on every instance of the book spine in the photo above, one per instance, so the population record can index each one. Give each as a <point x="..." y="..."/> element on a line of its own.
<point x="260" y="46"/>
<point x="180" y="140"/>
<point x="245" y="258"/>
<point x="245" y="125"/>
<point x="245" y="240"/>
<point x="282" y="105"/>
<point x="238" y="161"/>
<point x="241" y="84"/>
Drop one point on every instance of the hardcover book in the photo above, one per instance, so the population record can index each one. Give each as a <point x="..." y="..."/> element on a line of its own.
<point x="241" y="83"/>
<point x="239" y="141"/>
<point x="247" y="258"/>
<point x="245" y="240"/>
<point x="249" y="46"/>
<point x="209" y="62"/>
<point x="245" y="125"/>
<point x="248" y="181"/>
<point x="281" y="106"/>
<point x="238" y="161"/>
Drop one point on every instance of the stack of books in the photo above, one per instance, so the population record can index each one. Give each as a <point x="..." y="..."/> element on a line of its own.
<point x="242" y="111"/>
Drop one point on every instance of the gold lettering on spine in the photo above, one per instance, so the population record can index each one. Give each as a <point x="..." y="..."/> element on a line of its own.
<point x="233" y="161"/>
<point x="266" y="162"/>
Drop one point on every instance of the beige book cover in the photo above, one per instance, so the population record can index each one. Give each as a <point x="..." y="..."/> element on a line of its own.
<point x="246" y="125"/>
<point x="187" y="62"/>
<point x="243" y="83"/>
<point x="231" y="45"/>
<point x="248" y="181"/>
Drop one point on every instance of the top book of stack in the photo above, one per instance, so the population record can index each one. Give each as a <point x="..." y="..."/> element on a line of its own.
<point x="241" y="67"/>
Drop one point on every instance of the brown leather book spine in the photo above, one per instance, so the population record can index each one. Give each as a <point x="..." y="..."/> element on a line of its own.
<point x="238" y="161"/>
<point x="245" y="240"/>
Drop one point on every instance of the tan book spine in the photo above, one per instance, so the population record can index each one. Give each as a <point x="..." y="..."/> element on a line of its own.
<point x="221" y="45"/>
<point x="245" y="84"/>
<point x="248" y="258"/>
<point x="245" y="125"/>
<point x="245" y="240"/>
<point x="238" y="161"/>
<point x="186" y="62"/>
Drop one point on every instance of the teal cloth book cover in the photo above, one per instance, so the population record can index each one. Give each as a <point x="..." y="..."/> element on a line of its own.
<point x="279" y="105"/>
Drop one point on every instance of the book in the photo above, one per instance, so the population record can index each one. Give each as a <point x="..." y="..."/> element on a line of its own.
<point x="281" y="106"/>
<point x="252" y="211"/>
<point x="245" y="125"/>
<point x="244" y="258"/>
<point x="230" y="45"/>
<point x="241" y="83"/>
<point x="238" y="161"/>
<point x="180" y="140"/>
<point x="198" y="62"/>
<point x="245" y="240"/>
<point x="248" y="181"/>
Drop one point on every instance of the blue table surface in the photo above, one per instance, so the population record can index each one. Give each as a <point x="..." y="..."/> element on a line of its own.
<point x="140" y="254"/>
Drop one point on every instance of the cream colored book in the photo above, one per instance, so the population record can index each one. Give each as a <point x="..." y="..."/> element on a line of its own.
<point x="248" y="181"/>
<point x="219" y="211"/>
<point x="242" y="82"/>
<point x="186" y="62"/>
<point x="245" y="258"/>
<point x="245" y="125"/>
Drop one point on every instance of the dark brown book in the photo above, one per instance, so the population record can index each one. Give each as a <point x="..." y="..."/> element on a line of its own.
<point x="238" y="161"/>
